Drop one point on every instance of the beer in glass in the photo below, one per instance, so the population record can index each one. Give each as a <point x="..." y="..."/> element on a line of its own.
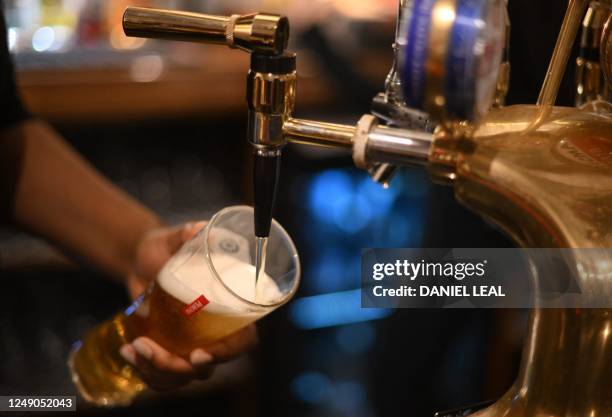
<point x="206" y="292"/>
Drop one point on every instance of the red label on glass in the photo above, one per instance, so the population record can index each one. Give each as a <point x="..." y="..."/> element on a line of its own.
<point x="195" y="306"/>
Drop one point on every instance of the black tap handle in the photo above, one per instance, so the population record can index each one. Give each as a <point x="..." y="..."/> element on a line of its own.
<point x="265" y="178"/>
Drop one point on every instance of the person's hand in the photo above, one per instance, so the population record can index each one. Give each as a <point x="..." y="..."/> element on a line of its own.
<point x="160" y="369"/>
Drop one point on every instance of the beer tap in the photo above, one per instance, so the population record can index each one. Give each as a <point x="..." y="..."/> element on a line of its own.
<point x="270" y="85"/>
<point x="271" y="93"/>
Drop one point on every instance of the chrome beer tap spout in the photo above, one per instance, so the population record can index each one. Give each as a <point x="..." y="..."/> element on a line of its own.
<point x="270" y="97"/>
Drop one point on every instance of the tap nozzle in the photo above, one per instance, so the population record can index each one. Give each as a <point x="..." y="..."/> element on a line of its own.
<point x="265" y="181"/>
<point x="271" y="84"/>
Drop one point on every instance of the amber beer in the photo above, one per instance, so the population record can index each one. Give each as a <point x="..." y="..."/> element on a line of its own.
<point x="100" y="374"/>
<point x="103" y="375"/>
<point x="170" y="314"/>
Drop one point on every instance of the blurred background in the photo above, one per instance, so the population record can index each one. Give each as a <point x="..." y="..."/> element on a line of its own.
<point x="166" y="122"/>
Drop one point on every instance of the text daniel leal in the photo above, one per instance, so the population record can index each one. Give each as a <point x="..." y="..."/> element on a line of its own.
<point x="440" y="291"/>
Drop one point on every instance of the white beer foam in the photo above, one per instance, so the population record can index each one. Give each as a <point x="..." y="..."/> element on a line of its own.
<point x="192" y="277"/>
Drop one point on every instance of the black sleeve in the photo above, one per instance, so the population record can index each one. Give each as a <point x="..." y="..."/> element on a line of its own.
<point x="12" y="112"/>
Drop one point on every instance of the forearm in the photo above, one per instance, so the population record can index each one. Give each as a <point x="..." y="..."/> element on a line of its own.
<point x="64" y="199"/>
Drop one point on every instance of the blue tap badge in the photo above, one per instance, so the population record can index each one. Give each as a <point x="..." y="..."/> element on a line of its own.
<point x="417" y="21"/>
<point x="450" y="63"/>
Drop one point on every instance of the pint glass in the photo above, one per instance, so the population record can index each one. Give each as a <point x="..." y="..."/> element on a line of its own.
<point x="205" y="292"/>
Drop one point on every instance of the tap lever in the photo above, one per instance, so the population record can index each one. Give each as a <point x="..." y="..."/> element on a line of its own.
<point x="256" y="32"/>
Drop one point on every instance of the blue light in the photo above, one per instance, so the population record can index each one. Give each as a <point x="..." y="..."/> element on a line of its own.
<point x="311" y="387"/>
<point x="333" y="309"/>
<point x="351" y="201"/>
<point x="348" y="396"/>
<point x="334" y="198"/>
<point x="129" y="310"/>
<point x="353" y="213"/>
<point x="399" y="230"/>
<point x="331" y="271"/>
<point x="356" y="338"/>
<point x="329" y="191"/>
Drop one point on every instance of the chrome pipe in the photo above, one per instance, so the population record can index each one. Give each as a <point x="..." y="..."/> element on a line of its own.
<point x="315" y="133"/>
<point x="384" y="144"/>
<point x="398" y="146"/>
